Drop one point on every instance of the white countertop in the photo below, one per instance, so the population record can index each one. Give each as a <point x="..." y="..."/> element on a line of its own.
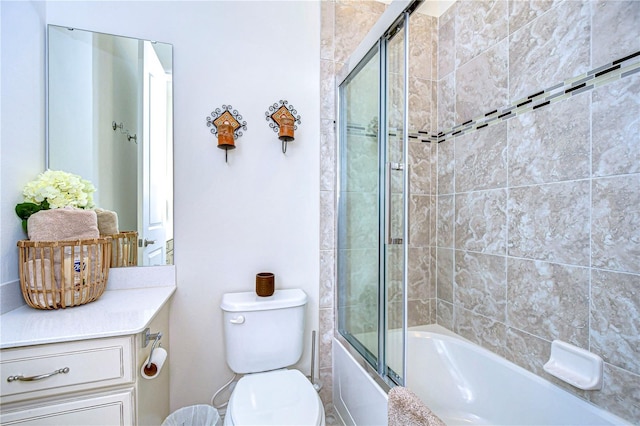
<point x="119" y="311"/>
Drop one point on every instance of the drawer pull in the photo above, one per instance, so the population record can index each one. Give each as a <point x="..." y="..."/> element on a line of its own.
<point x="40" y="377"/>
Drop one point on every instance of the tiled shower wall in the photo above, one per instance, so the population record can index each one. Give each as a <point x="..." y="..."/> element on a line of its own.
<point x="526" y="230"/>
<point x="538" y="217"/>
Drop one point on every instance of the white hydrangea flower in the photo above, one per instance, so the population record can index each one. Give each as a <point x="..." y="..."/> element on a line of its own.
<point x="60" y="189"/>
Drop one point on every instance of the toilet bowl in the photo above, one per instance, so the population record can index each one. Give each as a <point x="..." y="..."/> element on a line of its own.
<point x="281" y="397"/>
<point x="263" y="336"/>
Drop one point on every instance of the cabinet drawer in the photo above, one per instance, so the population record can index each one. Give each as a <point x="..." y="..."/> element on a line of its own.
<point x="80" y="365"/>
<point x="102" y="409"/>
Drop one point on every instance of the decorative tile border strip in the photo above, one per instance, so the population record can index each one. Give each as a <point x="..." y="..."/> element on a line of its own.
<point x="597" y="77"/>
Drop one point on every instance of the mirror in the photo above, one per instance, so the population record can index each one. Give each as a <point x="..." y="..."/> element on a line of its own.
<point x="110" y="120"/>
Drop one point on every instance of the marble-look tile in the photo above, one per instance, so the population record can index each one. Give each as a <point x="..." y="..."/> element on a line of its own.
<point x="480" y="284"/>
<point x="445" y="224"/>
<point x="550" y="49"/>
<point x="327" y="220"/>
<point x="328" y="90"/>
<point x="326" y="395"/>
<point x="325" y="336"/>
<point x="615" y="318"/>
<point x="361" y="318"/>
<point x="479" y="26"/>
<point x="481" y="159"/>
<point x="444" y="315"/>
<point x="482" y="84"/>
<point x="488" y="333"/>
<point x="327" y="278"/>
<point x="327" y="156"/>
<point x="433" y="273"/>
<point x="447" y="42"/>
<point x="531" y="353"/>
<point x="434" y="50"/>
<point x="420" y="45"/>
<point x="419" y="227"/>
<point x="527" y="351"/>
<point x="446" y="167"/>
<point x="361" y="218"/>
<point x="521" y="12"/>
<point x="342" y="70"/>
<point x="361" y="163"/>
<point x="550" y="222"/>
<point x="358" y="271"/>
<point x="620" y="393"/>
<point x="551" y="144"/>
<point x="616" y="127"/>
<point x="419" y="274"/>
<point x="419" y="312"/>
<point x="327" y="29"/>
<point x="420" y="104"/>
<point x="549" y="300"/>
<point x="352" y="22"/>
<point x="446" y="102"/>
<point x="395" y="100"/>
<point x="615" y="234"/>
<point x="445" y="274"/>
<point x="615" y="30"/>
<point x="361" y="95"/>
<point x="481" y="221"/>
<point x="420" y="163"/>
<point x="434" y="108"/>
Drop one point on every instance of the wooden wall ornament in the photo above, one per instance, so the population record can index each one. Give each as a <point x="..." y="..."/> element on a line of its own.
<point x="282" y="118"/>
<point x="227" y="126"/>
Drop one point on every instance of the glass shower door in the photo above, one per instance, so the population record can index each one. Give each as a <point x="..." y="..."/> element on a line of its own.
<point x="372" y="207"/>
<point x="359" y="210"/>
<point x="395" y="240"/>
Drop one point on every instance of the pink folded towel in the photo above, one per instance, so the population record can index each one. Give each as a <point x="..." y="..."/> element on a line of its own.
<point x="63" y="224"/>
<point x="406" y="409"/>
<point x="107" y="222"/>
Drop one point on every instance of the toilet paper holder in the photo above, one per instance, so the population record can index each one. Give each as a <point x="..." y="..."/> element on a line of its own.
<point x="147" y="338"/>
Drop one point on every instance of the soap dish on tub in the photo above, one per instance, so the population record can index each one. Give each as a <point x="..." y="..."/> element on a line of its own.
<point x="574" y="365"/>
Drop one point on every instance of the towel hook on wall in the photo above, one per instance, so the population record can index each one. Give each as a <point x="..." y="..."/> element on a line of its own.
<point x="115" y="126"/>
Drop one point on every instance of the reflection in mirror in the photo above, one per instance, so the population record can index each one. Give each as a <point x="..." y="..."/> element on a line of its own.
<point x="110" y="120"/>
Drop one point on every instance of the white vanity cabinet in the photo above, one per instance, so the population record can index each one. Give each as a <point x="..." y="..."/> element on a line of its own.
<point x="81" y="366"/>
<point x="87" y="382"/>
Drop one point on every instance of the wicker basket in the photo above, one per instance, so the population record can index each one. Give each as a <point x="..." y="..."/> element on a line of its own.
<point x="124" y="249"/>
<point x="61" y="274"/>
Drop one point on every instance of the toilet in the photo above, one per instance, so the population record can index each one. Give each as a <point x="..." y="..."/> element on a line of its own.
<point x="263" y="336"/>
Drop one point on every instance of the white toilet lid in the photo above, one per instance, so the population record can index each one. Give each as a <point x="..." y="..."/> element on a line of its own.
<point x="281" y="397"/>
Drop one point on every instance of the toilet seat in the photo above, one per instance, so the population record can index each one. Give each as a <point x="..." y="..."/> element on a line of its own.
<point x="280" y="397"/>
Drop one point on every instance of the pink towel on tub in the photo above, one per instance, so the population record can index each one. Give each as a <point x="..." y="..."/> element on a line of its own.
<point x="406" y="409"/>
<point x="63" y="225"/>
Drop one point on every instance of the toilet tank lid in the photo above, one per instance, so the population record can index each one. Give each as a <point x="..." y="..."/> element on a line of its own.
<point x="250" y="301"/>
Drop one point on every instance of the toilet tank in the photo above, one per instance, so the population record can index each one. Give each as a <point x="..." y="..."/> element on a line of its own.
<point x="263" y="333"/>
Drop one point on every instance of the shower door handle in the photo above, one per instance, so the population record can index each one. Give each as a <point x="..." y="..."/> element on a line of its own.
<point x="387" y="219"/>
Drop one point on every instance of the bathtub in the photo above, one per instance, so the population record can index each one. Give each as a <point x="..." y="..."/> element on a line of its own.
<point x="464" y="384"/>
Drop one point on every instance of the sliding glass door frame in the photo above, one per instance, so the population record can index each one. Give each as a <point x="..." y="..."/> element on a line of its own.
<point x="379" y="364"/>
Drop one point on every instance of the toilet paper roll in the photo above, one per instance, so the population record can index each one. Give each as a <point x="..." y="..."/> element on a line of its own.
<point x="158" y="358"/>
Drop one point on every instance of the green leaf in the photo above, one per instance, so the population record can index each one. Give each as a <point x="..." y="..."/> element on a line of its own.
<point x="24" y="210"/>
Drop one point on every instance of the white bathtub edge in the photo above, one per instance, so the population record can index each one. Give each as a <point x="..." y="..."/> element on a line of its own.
<point x="357" y="399"/>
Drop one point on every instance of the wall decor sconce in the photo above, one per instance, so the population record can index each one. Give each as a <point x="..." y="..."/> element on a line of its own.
<point x="226" y="124"/>
<point x="115" y="126"/>
<point x="282" y="118"/>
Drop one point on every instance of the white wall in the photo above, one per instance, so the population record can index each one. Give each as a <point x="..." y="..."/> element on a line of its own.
<point x="22" y="131"/>
<point x="258" y="212"/>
